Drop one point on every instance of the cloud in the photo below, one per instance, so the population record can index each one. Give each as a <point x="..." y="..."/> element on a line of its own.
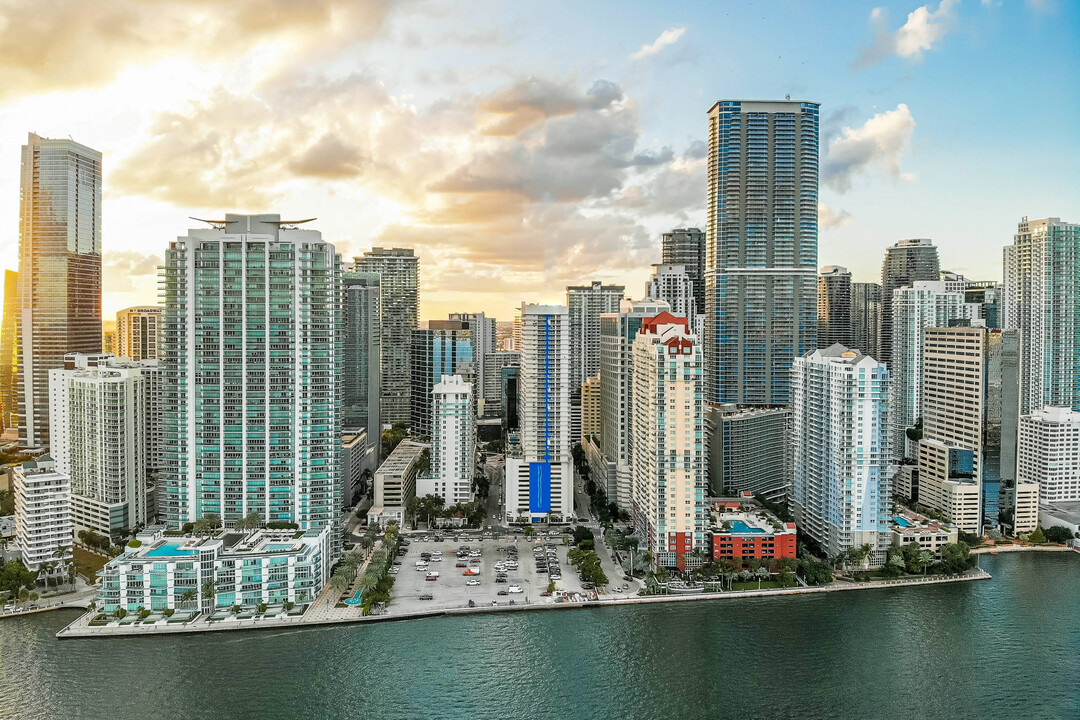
<point x="120" y="267"/>
<point x="828" y="218"/>
<point x="539" y="181"/>
<point x="668" y="37"/>
<point x="921" y="31"/>
<point x="66" y="45"/>
<point x="877" y="144"/>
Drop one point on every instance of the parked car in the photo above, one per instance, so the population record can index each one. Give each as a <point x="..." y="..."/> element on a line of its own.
<point x="504" y="592"/>
<point x="515" y="589"/>
<point x="545" y="594"/>
<point x="461" y="565"/>
<point x="433" y="574"/>
<point x="397" y="562"/>
<point x="500" y="579"/>
<point x="427" y="597"/>
<point x="431" y="579"/>
<point x="472" y="583"/>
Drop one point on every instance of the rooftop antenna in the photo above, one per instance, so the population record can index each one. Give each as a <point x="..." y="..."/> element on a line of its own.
<point x="788" y="96"/>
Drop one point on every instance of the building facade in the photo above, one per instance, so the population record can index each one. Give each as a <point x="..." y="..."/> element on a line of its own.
<point x="586" y="304"/>
<point x="1049" y="453"/>
<point x="361" y="375"/>
<point x="539" y="479"/>
<point x="253" y="339"/>
<point x="137" y="332"/>
<point x="445" y="347"/>
<point x="865" y="317"/>
<point x="761" y="255"/>
<point x="43" y="530"/>
<point x="669" y="485"/>
<point x="398" y="281"/>
<point x="99" y="440"/>
<point x="207" y="574"/>
<point x="9" y="362"/>
<point x="841" y="491"/>
<point x="494" y="364"/>
<point x="590" y="408"/>
<point x="925" y="305"/>
<point x="671" y="284"/>
<point x="59" y="270"/>
<point x="906" y="262"/>
<point x="834" y="306"/>
<point x="453" y="441"/>
<point x="1042" y="300"/>
<point x="686" y="247"/>
<point x="749" y="450"/>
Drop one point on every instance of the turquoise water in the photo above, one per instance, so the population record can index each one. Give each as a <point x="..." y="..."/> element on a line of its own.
<point x="741" y="528"/>
<point x="355" y="599"/>
<point x="170" y="549"/>
<point x="901" y="521"/>
<point x="1002" y="648"/>
<point x="279" y="547"/>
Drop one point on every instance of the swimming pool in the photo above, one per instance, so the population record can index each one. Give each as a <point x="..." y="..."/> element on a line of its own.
<point x="279" y="546"/>
<point x="355" y="599"/>
<point x="901" y="522"/>
<point x="170" y="549"/>
<point x="741" y="528"/>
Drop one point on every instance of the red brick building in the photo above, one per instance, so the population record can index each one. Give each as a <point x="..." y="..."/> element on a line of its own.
<point x="752" y="535"/>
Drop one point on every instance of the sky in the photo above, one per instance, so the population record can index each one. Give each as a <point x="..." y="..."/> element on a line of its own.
<point x="523" y="147"/>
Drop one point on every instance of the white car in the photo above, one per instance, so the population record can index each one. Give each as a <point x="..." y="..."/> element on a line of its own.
<point x="515" y="589"/>
<point x="433" y="573"/>
<point x="472" y="583"/>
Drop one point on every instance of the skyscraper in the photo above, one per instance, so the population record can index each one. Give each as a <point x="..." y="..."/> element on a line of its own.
<point x="444" y="347"/>
<point x="1042" y="300"/>
<point x="841" y="490"/>
<point x="761" y="255"/>
<point x="453" y="442"/>
<point x="9" y="361"/>
<point x="482" y="329"/>
<point x="686" y="247"/>
<point x="59" y="269"/>
<point x="99" y="440"/>
<point x="617" y="333"/>
<point x="137" y="332"/>
<point x="669" y="482"/>
<point x="905" y="263"/>
<point x="1049" y="453"/>
<point x="834" y="306"/>
<point x="865" y="317"/>
<point x="926" y="305"/>
<point x="749" y="450"/>
<point x="970" y="404"/>
<point x="587" y="303"/>
<point x="674" y="286"/>
<point x="539" y="483"/>
<point x="362" y="354"/>
<point x="398" y="271"/>
<point x="252" y="363"/>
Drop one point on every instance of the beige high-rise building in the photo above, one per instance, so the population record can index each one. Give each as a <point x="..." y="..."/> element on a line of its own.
<point x="138" y="330"/>
<point x="590" y="407"/>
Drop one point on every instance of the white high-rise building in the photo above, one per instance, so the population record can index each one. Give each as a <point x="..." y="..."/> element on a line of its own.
<point x="42" y="512"/>
<point x="841" y="487"/>
<point x="1049" y="453"/>
<point x="97" y="407"/>
<point x="926" y="304"/>
<point x="539" y="479"/>
<point x="253" y="343"/>
<point x="453" y="441"/>
<point x="673" y="285"/>
<point x="1042" y="300"/>
<point x="668" y="470"/>
<point x="586" y="304"/>
<point x="617" y="333"/>
<point x="137" y="332"/>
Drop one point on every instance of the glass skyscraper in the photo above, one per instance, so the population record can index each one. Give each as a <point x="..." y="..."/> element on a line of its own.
<point x="761" y="248"/>
<point x="905" y="262"/>
<point x="445" y="347"/>
<point x="59" y="270"/>
<point x="252" y="340"/>
<point x="362" y="353"/>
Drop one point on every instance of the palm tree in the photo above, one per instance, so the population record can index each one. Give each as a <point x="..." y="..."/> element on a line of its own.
<point x="762" y="573"/>
<point x="368" y="581"/>
<point x="188" y="597"/>
<point x="209" y="591"/>
<point x="339" y="584"/>
<point x="926" y="558"/>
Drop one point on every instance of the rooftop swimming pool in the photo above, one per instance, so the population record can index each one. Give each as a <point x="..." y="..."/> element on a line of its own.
<point x="738" y="526"/>
<point x="901" y="522"/>
<point x="279" y="546"/>
<point x="169" y="549"/>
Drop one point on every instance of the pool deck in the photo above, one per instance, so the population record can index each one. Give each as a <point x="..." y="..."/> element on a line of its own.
<point x="79" y="628"/>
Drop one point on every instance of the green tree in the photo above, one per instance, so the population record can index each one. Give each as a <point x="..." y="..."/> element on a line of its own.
<point x="1058" y="534"/>
<point x="956" y="558"/>
<point x="206" y="525"/>
<point x="188" y="599"/>
<point x="1037" y="536"/>
<point x="251" y="521"/>
<point x="338" y="584"/>
<point x="392" y="437"/>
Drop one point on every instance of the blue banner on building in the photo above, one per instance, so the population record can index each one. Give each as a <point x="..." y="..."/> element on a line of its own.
<point x="539" y="487"/>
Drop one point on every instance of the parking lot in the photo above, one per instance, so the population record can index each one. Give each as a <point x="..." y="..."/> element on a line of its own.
<point x="450" y="590"/>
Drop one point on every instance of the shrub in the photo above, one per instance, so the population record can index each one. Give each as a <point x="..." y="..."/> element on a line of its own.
<point x="236" y="609"/>
<point x="144" y="614"/>
<point x="135" y="544"/>
<point x="261" y="608"/>
<point x="1058" y="534"/>
<point x="169" y="612"/>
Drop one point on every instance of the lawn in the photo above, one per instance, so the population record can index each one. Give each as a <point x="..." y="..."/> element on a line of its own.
<point x="753" y="585"/>
<point x="88" y="562"/>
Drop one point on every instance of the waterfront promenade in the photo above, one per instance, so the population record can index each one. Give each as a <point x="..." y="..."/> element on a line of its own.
<point x="80" y="628"/>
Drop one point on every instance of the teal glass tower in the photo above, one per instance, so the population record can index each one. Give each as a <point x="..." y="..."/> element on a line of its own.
<point x="761" y="248"/>
<point x="253" y="343"/>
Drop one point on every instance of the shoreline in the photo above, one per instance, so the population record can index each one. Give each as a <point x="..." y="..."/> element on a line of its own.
<point x="995" y="549"/>
<point x="79" y="629"/>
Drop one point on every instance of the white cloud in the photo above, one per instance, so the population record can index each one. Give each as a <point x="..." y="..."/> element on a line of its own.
<point x="875" y="145"/>
<point x="923" y="29"/>
<point x="668" y="37"/>
<point x="829" y="218"/>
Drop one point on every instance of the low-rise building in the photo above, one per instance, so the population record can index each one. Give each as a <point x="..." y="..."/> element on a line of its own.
<point x="931" y="535"/>
<point x="749" y="531"/>
<point x="164" y="572"/>
<point x="43" y="528"/>
<point x="906" y="482"/>
<point x="1024" y="500"/>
